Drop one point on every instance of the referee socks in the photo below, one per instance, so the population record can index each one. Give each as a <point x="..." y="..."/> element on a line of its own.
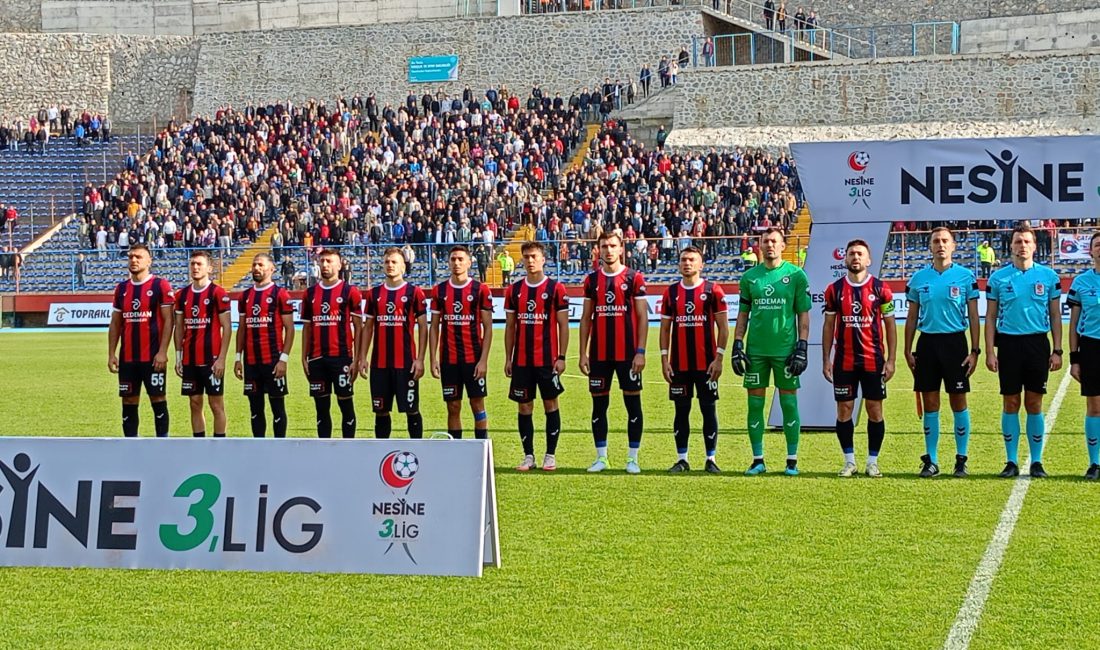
<point x="1036" y="432"/>
<point x="932" y="435"/>
<point x="1010" y="427"/>
<point x="962" y="432"/>
<point x="1092" y="438"/>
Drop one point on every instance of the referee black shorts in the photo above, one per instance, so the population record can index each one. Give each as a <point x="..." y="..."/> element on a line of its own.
<point x="1089" y="357"/>
<point x="940" y="360"/>
<point x="1024" y="362"/>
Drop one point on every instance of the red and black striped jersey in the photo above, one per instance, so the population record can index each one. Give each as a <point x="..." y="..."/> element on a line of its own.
<point x="461" y="319"/>
<point x="142" y="321"/>
<point x="202" y="335"/>
<point x="395" y="312"/>
<point x="262" y="311"/>
<point x="859" y="310"/>
<point x="692" y="312"/>
<point x="613" y="336"/>
<point x="330" y="311"/>
<point x="536" y="308"/>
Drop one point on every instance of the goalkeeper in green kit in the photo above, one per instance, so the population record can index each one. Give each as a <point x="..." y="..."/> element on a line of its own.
<point x="775" y="311"/>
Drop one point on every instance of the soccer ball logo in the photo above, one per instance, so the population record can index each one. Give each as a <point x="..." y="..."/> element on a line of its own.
<point x="858" y="161"/>
<point x="398" y="469"/>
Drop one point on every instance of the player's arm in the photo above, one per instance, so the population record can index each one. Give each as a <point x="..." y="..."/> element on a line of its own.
<point x="828" y="333"/>
<point x="563" y="340"/>
<point x="586" y="332"/>
<point x="911" y="332"/>
<point x="891" y="326"/>
<point x="238" y="364"/>
<point x="1055" y="310"/>
<point x="225" y="322"/>
<point x="665" y="338"/>
<point x="177" y="335"/>
<point x="641" y="327"/>
<point x="366" y="336"/>
<point x="356" y="343"/>
<point x="160" y="362"/>
<point x="975" y="335"/>
<point x="1074" y="341"/>
<point x="509" y="341"/>
<point x="113" y="334"/>
<point x="433" y="338"/>
<point x="307" y="339"/>
<point x="481" y="370"/>
<point x="991" y="309"/>
<point x="288" y="345"/>
<point x="722" y="320"/>
<point x="422" y="341"/>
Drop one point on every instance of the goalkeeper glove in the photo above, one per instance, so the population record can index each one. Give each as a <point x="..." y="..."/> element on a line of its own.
<point x="739" y="359"/>
<point x="796" y="362"/>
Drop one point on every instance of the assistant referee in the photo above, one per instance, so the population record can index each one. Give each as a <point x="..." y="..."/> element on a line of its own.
<point x="1084" y="346"/>
<point x="1022" y="307"/>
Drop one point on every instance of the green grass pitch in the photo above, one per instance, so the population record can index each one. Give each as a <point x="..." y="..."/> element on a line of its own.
<point x="610" y="560"/>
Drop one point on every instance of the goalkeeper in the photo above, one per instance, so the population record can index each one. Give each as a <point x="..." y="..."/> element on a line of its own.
<point x="775" y="311"/>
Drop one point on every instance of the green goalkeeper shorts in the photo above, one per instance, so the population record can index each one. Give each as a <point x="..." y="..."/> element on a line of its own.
<point x="760" y="370"/>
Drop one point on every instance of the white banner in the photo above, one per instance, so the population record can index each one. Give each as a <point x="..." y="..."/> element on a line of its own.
<point x="346" y="506"/>
<point x="1074" y="247"/>
<point x="932" y="180"/>
<point x="79" y="313"/>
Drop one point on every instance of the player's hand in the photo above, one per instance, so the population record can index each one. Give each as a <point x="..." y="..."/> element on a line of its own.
<point x="238" y="370"/>
<point x="418" y="369"/>
<point x="353" y="371"/>
<point x="481" y="370"/>
<point x="179" y="368"/>
<point x="797" y="361"/>
<point x="888" y="370"/>
<point x="911" y="361"/>
<point x="827" y="370"/>
<point x="738" y="359"/>
<point x="666" y="370"/>
<point x="1075" y="371"/>
<point x="1055" y="362"/>
<point x="638" y="365"/>
<point x="160" y="362"/>
<point x="436" y="372"/>
<point x="991" y="362"/>
<point x="971" y="363"/>
<point x="280" y="370"/>
<point x="559" y="367"/>
<point x="507" y="367"/>
<point x="112" y="363"/>
<point x="305" y="367"/>
<point x="584" y="365"/>
<point x="218" y="368"/>
<point x="714" y="370"/>
<point x="364" y="369"/>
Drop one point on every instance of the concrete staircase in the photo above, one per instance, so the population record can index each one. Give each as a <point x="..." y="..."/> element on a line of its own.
<point x="799" y="236"/>
<point x="238" y="272"/>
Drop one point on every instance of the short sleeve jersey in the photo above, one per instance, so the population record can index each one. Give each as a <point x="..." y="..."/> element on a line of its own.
<point x="142" y="321"/>
<point x="613" y="336"/>
<point x="942" y="297"/>
<point x="692" y="312"/>
<point x="536" y="309"/>
<point x="859" y="310"/>
<point x="202" y="335"/>
<point x="1085" y="293"/>
<point x="773" y="298"/>
<point x="262" y="309"/>
<point x="1023" y="298"/>
<point x="461" y="311"/>
<point x="395" y="312"/>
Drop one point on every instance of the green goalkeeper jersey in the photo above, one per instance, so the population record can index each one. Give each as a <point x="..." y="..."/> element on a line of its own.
<point x="773" y="298"/>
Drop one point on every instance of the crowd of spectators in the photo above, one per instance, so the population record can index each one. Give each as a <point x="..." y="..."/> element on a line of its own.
<point x="33" y="134"/>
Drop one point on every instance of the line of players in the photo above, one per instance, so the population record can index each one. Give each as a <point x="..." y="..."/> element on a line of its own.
<point x="376" y="335"/>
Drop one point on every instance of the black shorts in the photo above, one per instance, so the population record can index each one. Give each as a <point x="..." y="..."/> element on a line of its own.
<point x="200" y="379"/>
<point x="525" y="379"/>
<point x="940" y="359"/>
<point x="456" y="376"/>
<point x="328" y="374"/>
<point x="691" y="383"/>
<point x="1089" y="353"/>
<point x="849" y="384"/>
<point x="1023" y="363"/>
<point x="389" y="383"/>
<point x="600" y="373"/>
<point x="259" y="379"/>
<point x="132" y="375"/>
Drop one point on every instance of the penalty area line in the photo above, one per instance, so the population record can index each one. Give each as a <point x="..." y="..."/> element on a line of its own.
<point x="966" y="621"/>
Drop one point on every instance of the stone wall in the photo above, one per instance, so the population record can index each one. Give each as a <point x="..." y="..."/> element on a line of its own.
<point x="561" y="52"/>
<point x="1063" y="31"/>
<point x="893" y="91"/>
<point x="132" y="78"/>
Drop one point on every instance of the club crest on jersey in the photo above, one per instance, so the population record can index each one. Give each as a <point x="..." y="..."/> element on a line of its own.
<point x="545" y="296"/>
<point x="954" y="292"/>
<point x="470" y="298"/>
<point x="623" y="286"/>
<point x="268" y="300"/>
<point x="786" y="279"/>
<point x="339" y="300"/>
<point x="149" y="293"/>
<point x="1040" y="289"/>
<point x="404" y="298"/>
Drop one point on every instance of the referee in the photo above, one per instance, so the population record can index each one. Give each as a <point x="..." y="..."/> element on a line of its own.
<point x="1084" y="346"/>
<point x="943" y="305"/>
<point x="1023" y="307"/>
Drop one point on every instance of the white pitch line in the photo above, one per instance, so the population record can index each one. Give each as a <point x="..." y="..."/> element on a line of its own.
<point x="966" y="621"/>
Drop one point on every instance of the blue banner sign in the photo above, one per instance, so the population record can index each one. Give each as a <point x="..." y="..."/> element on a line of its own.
<point x="428" y="69"/>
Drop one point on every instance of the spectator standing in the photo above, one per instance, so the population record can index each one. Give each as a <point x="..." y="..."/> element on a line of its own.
<point x="708" y="51"/>
<point x="769" y="14"/>
<point x="80" y="267"/>
<point x="987" y="258"/>
<point x="644" y="78"/>
<point x="800" y="24"/>
<point x="781" y="17"/>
